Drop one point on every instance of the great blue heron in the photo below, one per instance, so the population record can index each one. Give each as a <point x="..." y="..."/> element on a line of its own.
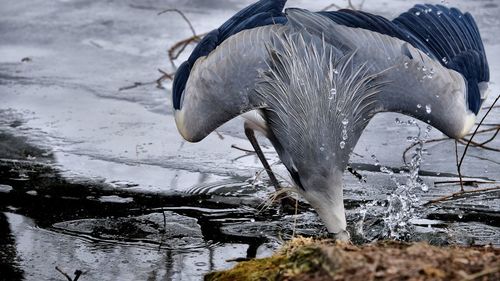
<point x="316" y="80"/>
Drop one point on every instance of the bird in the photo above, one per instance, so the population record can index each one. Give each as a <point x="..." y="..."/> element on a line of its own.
<point x="310" y="82"/>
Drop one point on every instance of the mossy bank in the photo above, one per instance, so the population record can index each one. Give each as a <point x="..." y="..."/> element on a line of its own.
<point x="308" y="259"/>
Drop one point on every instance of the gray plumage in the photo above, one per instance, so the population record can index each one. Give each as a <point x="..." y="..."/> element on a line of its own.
<point x="317" y="84"/>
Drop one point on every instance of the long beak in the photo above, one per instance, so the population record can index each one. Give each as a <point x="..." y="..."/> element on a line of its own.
<point x="330" y="207"/>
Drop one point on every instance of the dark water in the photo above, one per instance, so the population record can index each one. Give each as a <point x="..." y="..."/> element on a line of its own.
<point x="47" y="221"/>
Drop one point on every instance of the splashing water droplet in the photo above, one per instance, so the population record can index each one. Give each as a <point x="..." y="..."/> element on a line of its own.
<point x="377" y="163"/>
<point x="386" y="170"/>
<point x="428" y="109"/>
<point x="342" y="144"/>
<point x="333" y="92"/>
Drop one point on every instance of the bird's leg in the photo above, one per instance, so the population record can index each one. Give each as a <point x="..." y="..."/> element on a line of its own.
<point x="287" y="204"/>
<point x="250" y="133"/>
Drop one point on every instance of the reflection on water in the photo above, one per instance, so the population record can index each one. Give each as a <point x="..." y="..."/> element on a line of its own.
<point x="40" y="250"/>
<point x="9" y="266"/>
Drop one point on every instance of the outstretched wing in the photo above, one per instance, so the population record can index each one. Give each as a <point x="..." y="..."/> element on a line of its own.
<point x="411" y="82"/>
<point x="261" y="13"/>
<point x="221" y="85"/>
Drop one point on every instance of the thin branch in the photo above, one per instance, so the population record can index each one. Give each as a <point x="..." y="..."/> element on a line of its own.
<point x="333" y="5"/>
<point x="182" y="15"/>
<point x="135" y="85"/>
<point x="475" y="131"/>
<point x="492" y="138"/>
<point x="459" y="194"/>
<point x="497" y="127"/>
<point x="64" y="273"/>
<point x="77" y="273"/>
<point x="458" y="167"/>
<point x="242" y="149"/>
<point x="350" y="5"/>
<point x="475" y="144"/>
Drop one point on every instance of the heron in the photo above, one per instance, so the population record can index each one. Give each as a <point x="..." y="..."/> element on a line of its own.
<point x="310" y="82"/>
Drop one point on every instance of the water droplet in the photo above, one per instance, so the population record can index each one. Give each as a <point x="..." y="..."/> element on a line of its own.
<point x="252" y="220"/>
<point x="321" y="148"/>
<point x="345" y="122"/>
<point x="342" y="144"/>
<point x="460" y="215"/>
<point x="439" y="13"/>
<point x="424" y="69"/>
<point x="333" y="92"/>
<point x="406" y="64"/>
<point x="386" y="170"/>
<point x="335" y="71"/>
<point x="428" y="109"/>
<point x="445" y="60"/>
<point x="419" y="105"/>
<point x="417" y="13"/>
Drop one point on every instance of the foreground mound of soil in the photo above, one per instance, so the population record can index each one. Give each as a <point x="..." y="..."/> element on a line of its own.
<point x="308" y="259"/>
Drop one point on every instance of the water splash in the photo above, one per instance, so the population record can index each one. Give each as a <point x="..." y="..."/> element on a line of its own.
<point x="402" y="204"/>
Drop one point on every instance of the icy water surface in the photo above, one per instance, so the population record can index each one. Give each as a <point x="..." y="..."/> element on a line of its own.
<point x="97" y="179"/>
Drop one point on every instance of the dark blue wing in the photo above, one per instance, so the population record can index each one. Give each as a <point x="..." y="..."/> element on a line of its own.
<point x="454" y="38"/>
<point x="444" y="34"/>
<point x="263" y="12"/>
<point x="364" y="20"/>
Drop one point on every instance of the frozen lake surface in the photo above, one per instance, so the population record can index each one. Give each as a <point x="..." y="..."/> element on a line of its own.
<point x="98" y="179"/>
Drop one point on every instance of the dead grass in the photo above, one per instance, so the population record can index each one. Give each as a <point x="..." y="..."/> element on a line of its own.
<point x="310" y="259"/>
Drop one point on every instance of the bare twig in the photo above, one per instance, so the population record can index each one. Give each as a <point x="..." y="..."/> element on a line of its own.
<point x="77" y="273"/>
<point x="350" y="5"/>
<point x="182" y="15"/>
<point x="460" y="193"/>
<point x="333" y="5"/>
<point x="136" y="84"/>
<point x="465" y="182"/>
<point x="458" y="167"/>
<point x="497" y="127"/>
<point x="64" y="273"/>
<point x="475" y="131"/>
<point x="475" y="144"/>
<point x="242" y="149"/>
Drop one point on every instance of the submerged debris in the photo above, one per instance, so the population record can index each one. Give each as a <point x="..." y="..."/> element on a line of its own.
<point x="308" y="259"/>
